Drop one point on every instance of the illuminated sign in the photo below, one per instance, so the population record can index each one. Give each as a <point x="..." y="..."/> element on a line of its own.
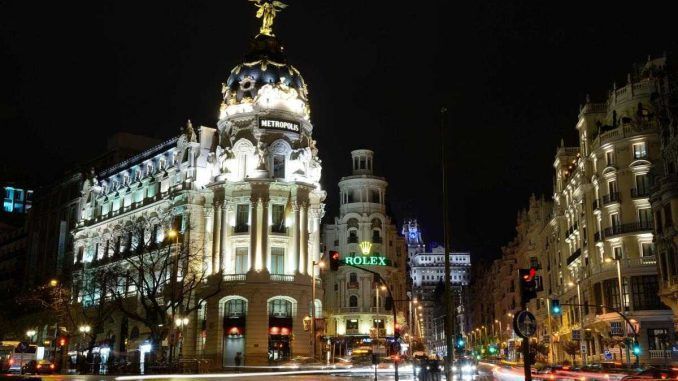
<point x="366" y="261"/>
<point x="365" y="247"/>
<point x="279" y="124"/>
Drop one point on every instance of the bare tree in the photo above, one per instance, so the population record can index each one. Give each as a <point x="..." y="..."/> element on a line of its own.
<point x="159" y="275"/>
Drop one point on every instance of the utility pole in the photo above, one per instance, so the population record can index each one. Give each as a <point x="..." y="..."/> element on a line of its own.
<point x="449" y="308"/>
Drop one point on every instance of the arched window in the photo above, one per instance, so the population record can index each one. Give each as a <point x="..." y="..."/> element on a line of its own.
<point x="353" y="301"/>
<point x="280" y="308"/>
<point x="235" y="308"/>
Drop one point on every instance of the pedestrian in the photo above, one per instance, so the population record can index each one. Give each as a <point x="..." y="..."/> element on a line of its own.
<point x="238" y="358"/>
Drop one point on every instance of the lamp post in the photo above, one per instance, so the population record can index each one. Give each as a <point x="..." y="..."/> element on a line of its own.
<point x="320" y="265"/>
<point x="84" y="330"/>
<point x="173" y="234"/>
<point x="496" y="321"/>
<point x="581" y="316"/>
<point x="181" y="323"/>
<point x="621" y="304"/>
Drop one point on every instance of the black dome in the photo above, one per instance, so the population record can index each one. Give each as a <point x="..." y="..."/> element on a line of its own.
<point x="265" y="63"/>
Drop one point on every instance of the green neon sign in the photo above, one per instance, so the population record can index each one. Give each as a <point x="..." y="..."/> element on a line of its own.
<point x="367" y="261"/>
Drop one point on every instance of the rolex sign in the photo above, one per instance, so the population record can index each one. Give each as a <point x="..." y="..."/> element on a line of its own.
<point x="279" y="124"/>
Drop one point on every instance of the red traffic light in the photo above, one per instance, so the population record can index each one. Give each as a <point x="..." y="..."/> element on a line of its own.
<point x="62" y="341"/>
<point x="335" y="257"/>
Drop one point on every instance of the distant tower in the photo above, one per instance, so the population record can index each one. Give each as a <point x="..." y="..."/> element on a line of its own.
<point x="415" y="244"/>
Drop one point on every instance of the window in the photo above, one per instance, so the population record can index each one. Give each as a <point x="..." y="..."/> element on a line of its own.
<point x="277" y="260"/>
<point x="647" y="249"/>
<point x="618" y="252"/>
<point x="642" y="185"/>
<point x="352" y="236"/>
<point x="280" y="308"/>
<point x="639" y="151"/>
<point x="378" y="323"/>
<point x="278" y="218"/>
<point x="658" y="339"/>
<point x="242" y="218"/>
<point x="614" y="220"/>
<point x="668" y="217"/>
<point x="611" y="293"/>
<point x="279" y="166"/>
<point x="353" y="278"/>
<point x="234" y="308"/>
<point x="612" y="187"/>
<point x="353" y="301"/>
<point x="645" y="218"/>
<point x="241" y="262"/>
<point x="374" y="196"/>
<point x="609" y="158"/>
<point x="644" y="293"/>
<point x="352" y="324"/>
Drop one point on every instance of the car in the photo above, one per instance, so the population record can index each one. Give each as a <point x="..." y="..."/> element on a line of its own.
<point x="653" y="374"/>
<point x="39" y="367"/>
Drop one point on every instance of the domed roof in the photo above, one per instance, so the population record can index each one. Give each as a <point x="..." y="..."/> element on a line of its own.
<point x="264" y="64"/>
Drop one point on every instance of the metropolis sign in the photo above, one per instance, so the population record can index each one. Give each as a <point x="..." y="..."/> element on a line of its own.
<point x="366" y="261"/>
<point x="279" y="124"/>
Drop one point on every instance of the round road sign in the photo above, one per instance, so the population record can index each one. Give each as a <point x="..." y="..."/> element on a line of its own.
<point x="525" y="324"/>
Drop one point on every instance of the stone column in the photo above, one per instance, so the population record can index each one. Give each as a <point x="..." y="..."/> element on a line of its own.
<point x="253" y="233"/>
<point x="208" y="240"/>
<point x="315" y="239"/>
<point x="302" y="240"/>
<point x="293" y="242"/>
<point x="264" y="234"/>
<point x="216" y="249"/>
<point x="225" y="247"/>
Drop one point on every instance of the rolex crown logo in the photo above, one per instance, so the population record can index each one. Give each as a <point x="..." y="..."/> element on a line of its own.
<point x="365" y="247"/>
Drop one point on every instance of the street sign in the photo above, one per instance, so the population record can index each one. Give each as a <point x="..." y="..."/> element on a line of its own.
<point x="583" y="348"/>
<point x="608" y="355"/>
<point x="525" y="324"/>
<point x="576" y="334"/>
<point x="616" y="328"/>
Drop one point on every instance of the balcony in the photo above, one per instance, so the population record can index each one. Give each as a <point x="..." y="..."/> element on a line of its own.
<point x="352" y="285"/>
<point x="235" y="278"/>
<point x="574" y="256"/>
<point x="349" y="310"/>
<point x="629" y="228"/>
<point x="610" y="198"/>
<point x="640" y="192"/>
<point x="352" y="331"/>
<point x="281" y="278"/>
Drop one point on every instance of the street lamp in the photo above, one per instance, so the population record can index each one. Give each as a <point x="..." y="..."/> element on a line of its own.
<point x="181" y="323"/>
<point x="320" y="265"/>
<point x="621" y="303"/>
<point x="500" y="331"/>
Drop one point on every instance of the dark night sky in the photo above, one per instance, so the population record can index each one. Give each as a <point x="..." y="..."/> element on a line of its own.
<point x="512" y="73"/>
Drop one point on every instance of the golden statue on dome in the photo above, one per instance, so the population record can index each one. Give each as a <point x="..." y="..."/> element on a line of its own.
<point x="267" y="11"/>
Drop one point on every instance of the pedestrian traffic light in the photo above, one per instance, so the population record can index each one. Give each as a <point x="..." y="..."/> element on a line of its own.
<point x="636" y="348"/>
<point x="334" y="260"/>
<point x="555" y="307"/>
<point x="528" y="284"/>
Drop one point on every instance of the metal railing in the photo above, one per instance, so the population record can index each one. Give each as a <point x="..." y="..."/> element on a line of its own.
<point x="660" y="353"/>
<point x="282" y="278"/>
<point x="244" y="228"/>
<point x="628" y="228"/>
<point x="352" y="239"/>
<point x="235" y="277"/>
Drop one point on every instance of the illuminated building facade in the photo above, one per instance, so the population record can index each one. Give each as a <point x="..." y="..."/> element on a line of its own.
<point x="245" y="194"/>
<point x="364" y="235"/>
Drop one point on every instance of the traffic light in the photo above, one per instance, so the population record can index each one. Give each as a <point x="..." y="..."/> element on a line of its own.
<point x="396" y="331"/>
<point x="636" y="348"/>
<point x="334" y="260"/>
<point x="492" y="349"/>
<point x="62" y="341"/>
<point x="460" y="342"/>
<point x="555" y="307"/>
<point x="528" y="284"/>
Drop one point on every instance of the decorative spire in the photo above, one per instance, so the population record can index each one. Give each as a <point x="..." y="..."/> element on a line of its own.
<point x="190" y="132"/>
<point x="267" y="11"/>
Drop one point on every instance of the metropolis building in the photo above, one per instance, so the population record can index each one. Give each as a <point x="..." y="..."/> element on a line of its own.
<point x="246" y="195"/>
<point x="363" y="234"/>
